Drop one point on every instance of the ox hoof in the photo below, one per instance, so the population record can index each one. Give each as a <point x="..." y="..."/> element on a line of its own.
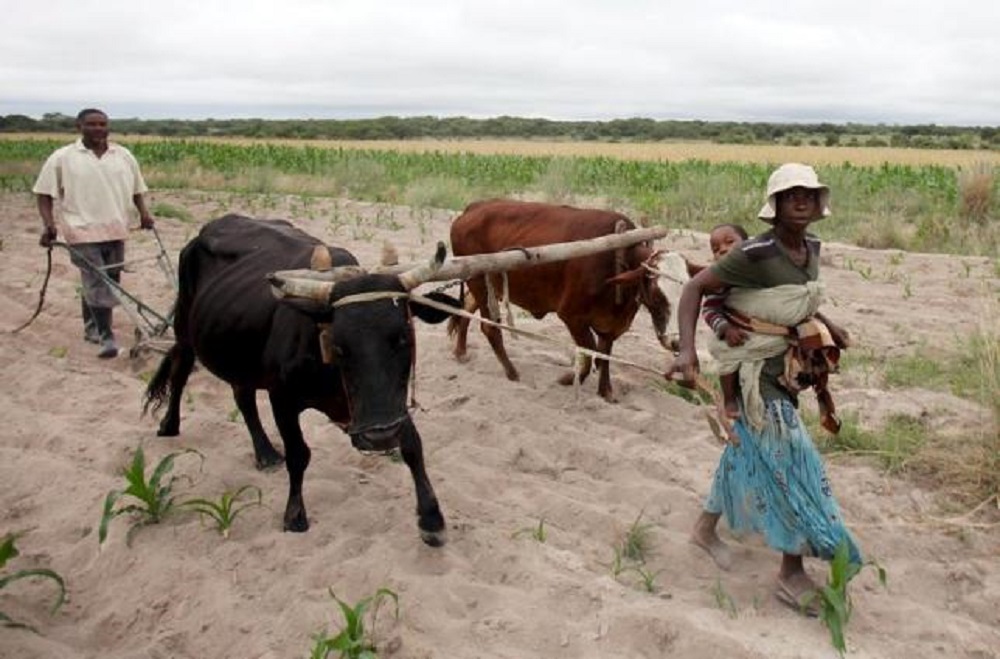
<point x="297" y="525"/>
<point x="168" y="432"/>
<point x="269" y="462"/>
<point x="464" y="358"/>
<point x="434" y="538"/>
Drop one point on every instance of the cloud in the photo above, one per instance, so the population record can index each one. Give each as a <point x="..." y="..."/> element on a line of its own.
<point x="889" y="62"/>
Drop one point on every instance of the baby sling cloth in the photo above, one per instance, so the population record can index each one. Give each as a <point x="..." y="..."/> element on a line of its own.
<point x="782" y="322"/>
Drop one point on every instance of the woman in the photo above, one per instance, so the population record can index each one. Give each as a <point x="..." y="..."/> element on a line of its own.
<point x="771" y="481"/>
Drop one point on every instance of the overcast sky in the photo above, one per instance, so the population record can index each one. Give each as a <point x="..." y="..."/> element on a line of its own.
<point x="866" y="61"/>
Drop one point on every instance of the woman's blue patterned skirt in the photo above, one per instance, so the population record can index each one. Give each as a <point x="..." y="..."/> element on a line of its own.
<point x="774" y="484"/>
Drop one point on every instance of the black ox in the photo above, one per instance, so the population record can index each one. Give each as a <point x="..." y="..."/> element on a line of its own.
<point x="228" y="317"/>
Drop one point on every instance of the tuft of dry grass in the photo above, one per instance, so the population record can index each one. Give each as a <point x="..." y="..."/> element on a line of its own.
<point x="884" y="233"/>
<point x="969" y="469"/>
<point x="963" y="468"/>
<point x="975" y="188"/>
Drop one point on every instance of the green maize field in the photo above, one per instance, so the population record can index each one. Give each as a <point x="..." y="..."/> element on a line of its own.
<point x="915" y="207"/>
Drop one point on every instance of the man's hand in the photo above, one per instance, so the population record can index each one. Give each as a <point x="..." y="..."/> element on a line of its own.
<point x="49" y="234"/>
<point x="146" y="221"/>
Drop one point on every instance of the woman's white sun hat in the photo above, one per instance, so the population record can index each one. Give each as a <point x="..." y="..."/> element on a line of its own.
<point x="793" y="175"/>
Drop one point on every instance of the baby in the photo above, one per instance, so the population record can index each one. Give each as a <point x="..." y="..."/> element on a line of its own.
<point x="722" y="239"/>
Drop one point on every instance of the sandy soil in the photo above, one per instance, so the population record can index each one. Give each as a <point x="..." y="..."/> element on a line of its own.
<point x="502" y="456"/>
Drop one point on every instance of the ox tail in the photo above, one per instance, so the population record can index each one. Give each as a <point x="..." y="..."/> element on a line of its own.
<point x="469" y="304"/>
<point x="158" y="388"/>
<point x="189" y="274"/>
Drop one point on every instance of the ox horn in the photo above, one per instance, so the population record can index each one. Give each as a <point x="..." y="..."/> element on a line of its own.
<point x="320" y="259"/>
<point x="390" y="255"/>
<point x="426" y="272"/>
<point x="331" y="274"/>
<point x="311" y="284"/>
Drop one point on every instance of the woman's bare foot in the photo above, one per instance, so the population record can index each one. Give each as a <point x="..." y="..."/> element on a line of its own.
<point x="795" y="588"/>
<point x="704" y="536"/>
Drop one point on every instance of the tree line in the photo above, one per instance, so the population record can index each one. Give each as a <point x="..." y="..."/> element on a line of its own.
<point x="636" y="129"/>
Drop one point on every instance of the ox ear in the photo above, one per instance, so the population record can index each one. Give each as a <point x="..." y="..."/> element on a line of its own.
<point x="629" y="277"/>
<point x="413" y="278"/>
<point x="432" y="315"/>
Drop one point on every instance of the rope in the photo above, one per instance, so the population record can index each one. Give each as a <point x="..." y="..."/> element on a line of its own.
<point x="506" y="300"/>
<point x="701" y="384"/>
<point x="413" y="361"/>
<point x="41" y="293"/>
<point x="720" y="428"/>
<point x="531" y="335"/>
<point x="136" y="309"/>
<point x="448" y="284"/>
<point x="369" y="297"/>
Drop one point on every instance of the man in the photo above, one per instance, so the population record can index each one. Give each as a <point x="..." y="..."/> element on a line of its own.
<point x="96" y="183"/>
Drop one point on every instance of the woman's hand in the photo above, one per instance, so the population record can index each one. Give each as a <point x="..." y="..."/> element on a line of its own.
<point x="686" y="366"/>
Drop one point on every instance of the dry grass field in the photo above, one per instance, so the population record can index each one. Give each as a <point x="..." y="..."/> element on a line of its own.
<point x="669" y="151"/>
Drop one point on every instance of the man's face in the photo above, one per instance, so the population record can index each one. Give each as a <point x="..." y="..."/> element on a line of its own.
<point x="93" y="129"/>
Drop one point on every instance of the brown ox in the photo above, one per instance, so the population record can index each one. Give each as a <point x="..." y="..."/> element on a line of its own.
<point x="596" y="296"/>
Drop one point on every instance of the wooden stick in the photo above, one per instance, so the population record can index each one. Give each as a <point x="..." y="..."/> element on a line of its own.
<point x="466" y="267"/>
